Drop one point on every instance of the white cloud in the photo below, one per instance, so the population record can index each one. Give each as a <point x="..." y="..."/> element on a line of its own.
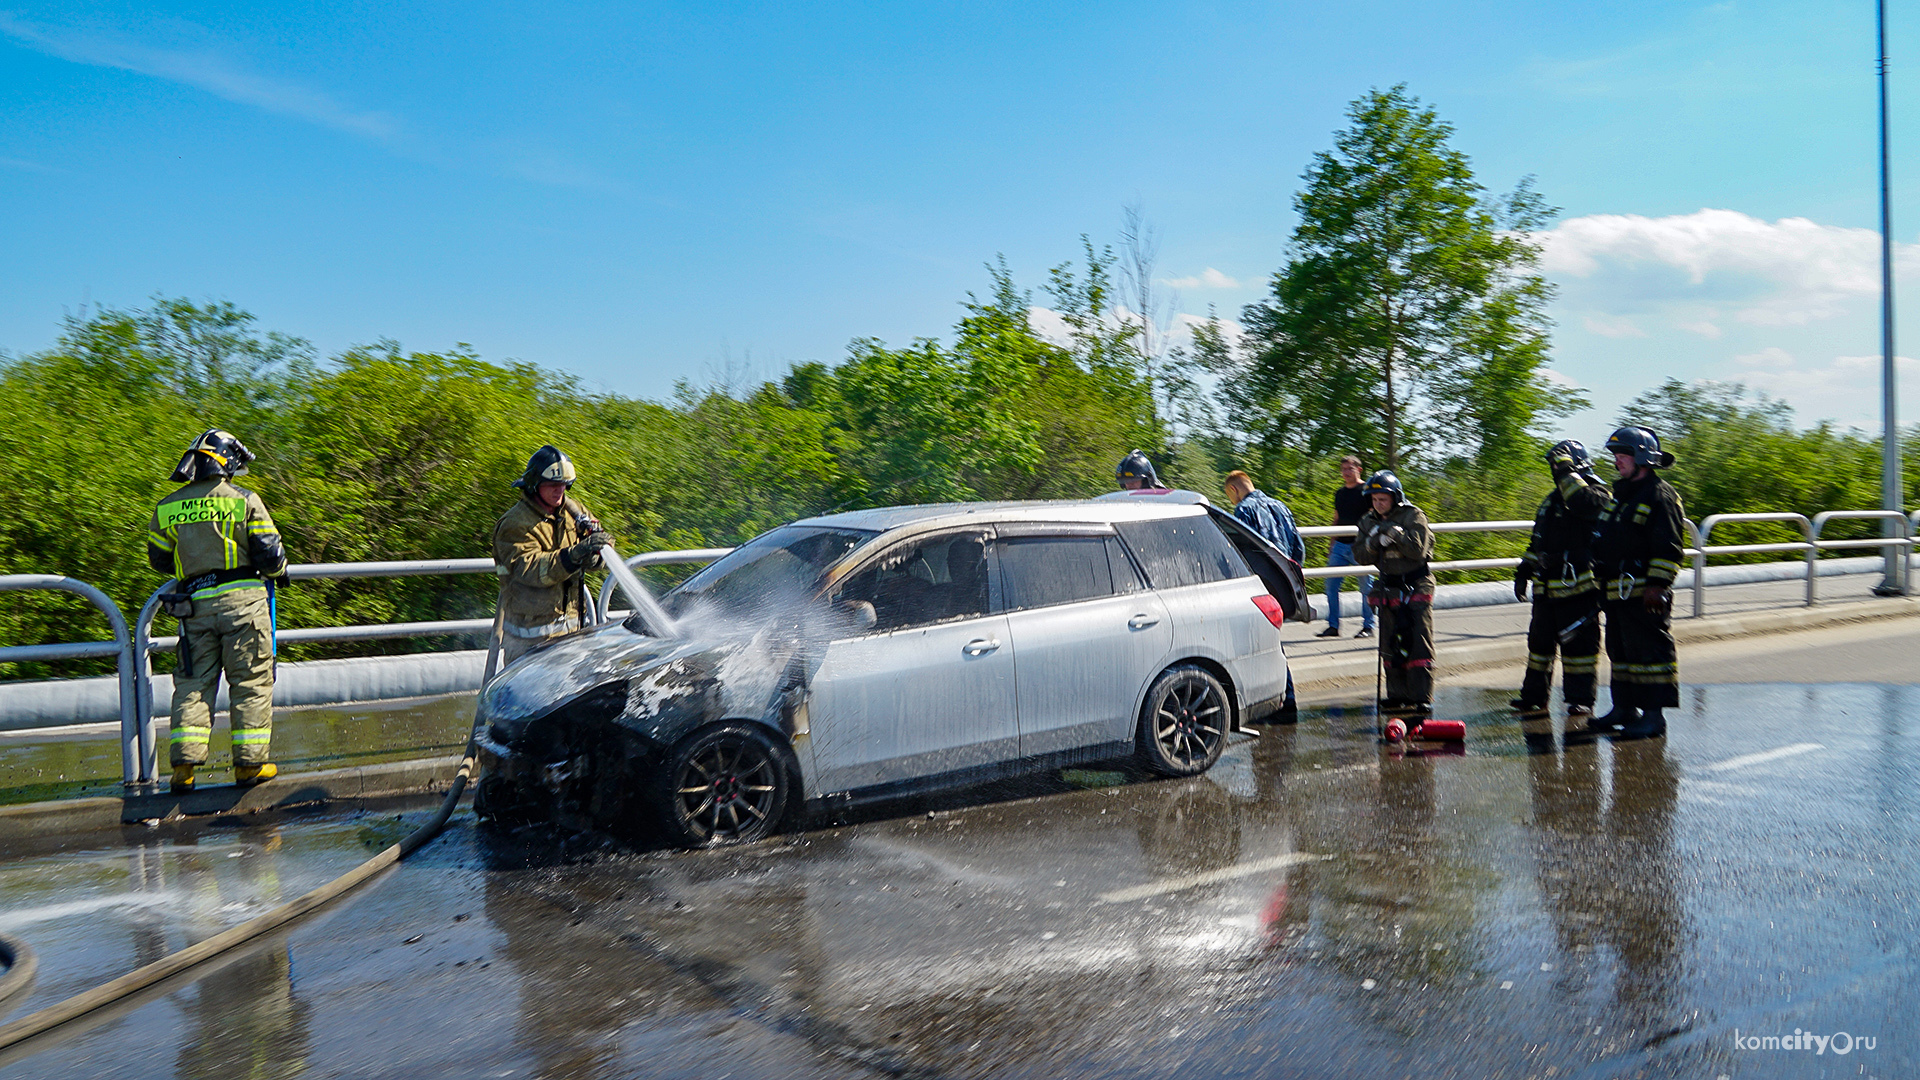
<point x="205" y="70"/>
<point x="1208" y="279"/>
<point x="1773" y="357"/>
<point x="1846" y="389"/>
<point x="1702" y="327"/>
<point x="1048" y="323"/>
<point x="1612" y="326"/>
<point x="1781" y="273"/>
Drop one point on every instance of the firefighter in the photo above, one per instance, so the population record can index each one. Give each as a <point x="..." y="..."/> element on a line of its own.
<point x="219" y="544"/>
<point x="542" y="550"/>
<point x="1135" y="473"/>
<point x="1637" y="546"/>
<point x="1395" y="538"/>
<point x="1566" y="602"/>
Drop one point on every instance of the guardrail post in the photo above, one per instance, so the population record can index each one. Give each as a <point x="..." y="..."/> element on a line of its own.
<point x="143" y="687"/>
<point x="1700" y="533"/>
<point x="1813" y="564"/>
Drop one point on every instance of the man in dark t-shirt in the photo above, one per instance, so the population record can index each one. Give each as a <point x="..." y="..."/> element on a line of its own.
<point x="1349" y="502"/>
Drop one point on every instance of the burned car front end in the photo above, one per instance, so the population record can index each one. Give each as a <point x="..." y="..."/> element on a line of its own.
<point x="691" y="732"/>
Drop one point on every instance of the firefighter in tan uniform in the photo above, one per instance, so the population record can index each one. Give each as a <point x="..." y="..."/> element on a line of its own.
<point x="219" y="544"/>
<point x="542" y="550"/>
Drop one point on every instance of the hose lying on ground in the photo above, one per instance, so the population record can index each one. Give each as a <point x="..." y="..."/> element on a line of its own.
<point x="133" y="981"/>
<point x="21" y="958"/>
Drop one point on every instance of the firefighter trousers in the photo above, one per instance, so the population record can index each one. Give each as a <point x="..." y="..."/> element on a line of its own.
<point x="1578" y="617"/>
<point x="1640" y="649"/>
<point x="1406" y="643"/>
<point x="228" y="633"/>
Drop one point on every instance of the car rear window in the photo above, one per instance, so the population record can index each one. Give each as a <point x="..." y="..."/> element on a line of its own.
<point x="1182" y="551"/>
<point x="1039" y="571"/>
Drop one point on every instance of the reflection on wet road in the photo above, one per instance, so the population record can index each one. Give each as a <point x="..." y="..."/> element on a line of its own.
<point x="1318" y="905"/>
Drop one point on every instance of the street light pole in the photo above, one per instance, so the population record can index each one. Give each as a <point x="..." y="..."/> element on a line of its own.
<point x="1894" y="583"/>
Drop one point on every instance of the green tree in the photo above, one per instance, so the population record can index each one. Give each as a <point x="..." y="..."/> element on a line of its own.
<point x="1408" y="315"/>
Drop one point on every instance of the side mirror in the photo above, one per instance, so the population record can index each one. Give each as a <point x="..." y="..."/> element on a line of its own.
<point x="858" y="613"/>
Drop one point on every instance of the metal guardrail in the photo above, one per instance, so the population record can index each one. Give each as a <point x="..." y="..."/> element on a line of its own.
<point x="1810" y="544"/>
<point x="1347" y="532"/>
<point x="120" y="648"/>
<point x="133" y="647"/>
<point x="656" y="558"/>
<point x="140" y="728"/>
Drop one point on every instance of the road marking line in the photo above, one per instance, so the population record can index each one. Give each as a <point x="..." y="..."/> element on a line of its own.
<point x="1764" y="756"/>
<point x="1238" y="870"/>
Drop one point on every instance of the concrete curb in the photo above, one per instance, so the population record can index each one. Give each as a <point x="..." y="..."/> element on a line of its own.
<point x="350" y="784"/>
<point x="1349" y="668"/>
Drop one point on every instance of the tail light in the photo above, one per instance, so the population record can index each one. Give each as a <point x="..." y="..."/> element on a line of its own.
<point x="1270" y="608"/>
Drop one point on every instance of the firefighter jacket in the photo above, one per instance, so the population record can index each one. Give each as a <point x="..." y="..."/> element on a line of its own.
<point x="1401" y="555"/>
<point x="1639" y="540"/>
<point x="539" y="590"/>
<point x="215" y="538"/>
<point x="1560" y="553"/>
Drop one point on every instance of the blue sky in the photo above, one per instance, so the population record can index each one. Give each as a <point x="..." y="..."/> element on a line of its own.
<point x="643" y="193"/>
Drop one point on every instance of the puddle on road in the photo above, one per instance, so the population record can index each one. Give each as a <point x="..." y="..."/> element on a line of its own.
<point x="34" y="766"/>
<point x="1317" y="903"/>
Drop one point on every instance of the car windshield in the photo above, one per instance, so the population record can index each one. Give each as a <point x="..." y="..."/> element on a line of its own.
<point x="781" y="566"/>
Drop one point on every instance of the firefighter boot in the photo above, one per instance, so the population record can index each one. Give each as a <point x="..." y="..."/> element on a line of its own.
<point x="182" y="778"/>
<point x="249" y="775"/>
<point x="1622" y="716"/>
<point x="1650" y="725"/>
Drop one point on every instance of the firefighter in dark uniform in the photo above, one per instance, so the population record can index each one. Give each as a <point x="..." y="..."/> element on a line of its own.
<point x="1395" y="538"/>
<point x="542" y="550"/>
<point x="219" y="544"/>
<point x="1637" y="547"/>
<point x="1566" y="601"/>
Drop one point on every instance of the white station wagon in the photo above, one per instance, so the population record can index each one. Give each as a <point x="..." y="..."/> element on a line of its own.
<point x="868" y="655"/>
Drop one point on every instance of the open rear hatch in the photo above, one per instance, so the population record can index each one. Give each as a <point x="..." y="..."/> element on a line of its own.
<point x="1280" y="574"/>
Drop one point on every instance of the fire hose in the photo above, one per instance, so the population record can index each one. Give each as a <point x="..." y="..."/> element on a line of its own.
<point x="21" y="961"/>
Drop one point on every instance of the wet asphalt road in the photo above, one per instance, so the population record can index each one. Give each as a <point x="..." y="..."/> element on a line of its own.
<point x="1317" y="905"/>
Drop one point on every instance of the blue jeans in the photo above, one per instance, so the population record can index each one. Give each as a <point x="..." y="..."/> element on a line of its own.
<point x="1341" y="554"/>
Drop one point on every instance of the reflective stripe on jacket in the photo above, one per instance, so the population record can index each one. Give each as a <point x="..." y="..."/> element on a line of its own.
<point x="1559" y="555"/>
<point x="211" y="527"/>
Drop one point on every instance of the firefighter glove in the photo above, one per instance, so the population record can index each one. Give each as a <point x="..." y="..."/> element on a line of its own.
<point x="1520" y="576"/>
<point x="585" y="555"/>
<point x="1658" y="599"/>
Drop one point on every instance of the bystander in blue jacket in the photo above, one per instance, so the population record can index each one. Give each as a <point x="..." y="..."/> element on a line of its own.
<point x="1270" y="518"/>
<point x="1265" y="515"/>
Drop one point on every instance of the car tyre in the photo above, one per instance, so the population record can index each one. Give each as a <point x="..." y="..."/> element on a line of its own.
<point x="1184" y="722"/>
<point x="725" y="784"/>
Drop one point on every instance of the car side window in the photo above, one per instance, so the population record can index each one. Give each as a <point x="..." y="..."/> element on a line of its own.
<point x="1126" y="579"/>
<point x="1182" y="551"/>
<point x="927" y="581"/>
<point x="1040" y="571"/>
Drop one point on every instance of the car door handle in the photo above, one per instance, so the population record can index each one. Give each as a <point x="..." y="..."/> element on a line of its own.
<point x="981" y="646"/>
<point x="1142" y="621"/>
